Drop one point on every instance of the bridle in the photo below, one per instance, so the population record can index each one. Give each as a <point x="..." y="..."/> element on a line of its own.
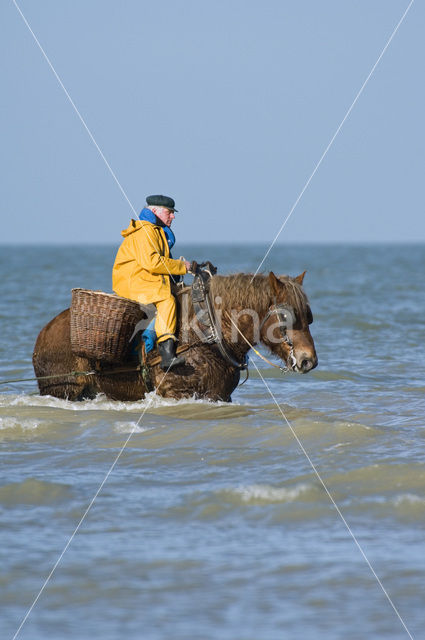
<point x="285" y="316"/>
<point x="281" y="312"/>
<point x="205" y="313"/>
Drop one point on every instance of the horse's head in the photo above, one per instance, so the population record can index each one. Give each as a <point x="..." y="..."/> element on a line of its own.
<point x="285" y="327"/>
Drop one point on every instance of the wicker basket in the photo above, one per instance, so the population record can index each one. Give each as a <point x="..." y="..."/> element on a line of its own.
<point x="102" y="324"/>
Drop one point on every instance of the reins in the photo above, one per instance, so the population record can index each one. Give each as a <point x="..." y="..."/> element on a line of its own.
<point x="206" y="316"/>
<point x="282" y="369"/>
<point x="214" y="337"/>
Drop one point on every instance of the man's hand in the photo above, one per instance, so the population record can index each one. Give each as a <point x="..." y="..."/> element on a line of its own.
<point x="191" y="267"/>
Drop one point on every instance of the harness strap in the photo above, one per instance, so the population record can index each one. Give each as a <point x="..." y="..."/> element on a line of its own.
<point x="205" y="316"/>
<point x="201" y="307"/>
<point x="145" y="368"/>
<point x="282" y="312"/>
<point x="284" y="370"/>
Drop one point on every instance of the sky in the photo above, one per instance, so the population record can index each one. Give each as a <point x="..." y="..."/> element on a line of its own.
<point x="226" y="106"/>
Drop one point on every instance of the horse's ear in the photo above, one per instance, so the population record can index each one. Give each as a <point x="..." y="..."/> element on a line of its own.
<point x="300" y="278"/>
<point x="275" y="284"/>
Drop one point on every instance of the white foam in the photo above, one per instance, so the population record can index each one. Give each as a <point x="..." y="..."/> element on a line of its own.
<point x="337" y="446"/>
<point x="130" y="427"/>
<point x="9" y="422"/>
<point x="267" y="493"/>
<point x="101" y="402"/>
<point x="408" y="498"/>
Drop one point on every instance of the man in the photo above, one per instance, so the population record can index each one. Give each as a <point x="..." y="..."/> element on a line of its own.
<point x="143" y="267"/>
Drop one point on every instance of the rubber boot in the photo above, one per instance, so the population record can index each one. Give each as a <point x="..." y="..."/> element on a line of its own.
<point x="167" y="350"/>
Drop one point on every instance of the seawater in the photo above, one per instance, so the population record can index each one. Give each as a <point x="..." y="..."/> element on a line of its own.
<point x="213" y="524"/>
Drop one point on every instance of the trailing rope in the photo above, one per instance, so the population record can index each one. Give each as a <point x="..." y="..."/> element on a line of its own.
<point x="72" y="374"/>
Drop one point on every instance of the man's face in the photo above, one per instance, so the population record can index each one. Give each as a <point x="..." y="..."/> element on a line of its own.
<point x="165" y="215"/>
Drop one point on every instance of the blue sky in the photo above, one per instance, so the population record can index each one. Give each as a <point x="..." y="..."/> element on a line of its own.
<point x="227" y="106"/>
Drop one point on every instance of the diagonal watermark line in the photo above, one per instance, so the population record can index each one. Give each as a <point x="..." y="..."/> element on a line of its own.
<point x="83" y="122"/>
<point x="108" y="473"/>
<point x="319" y="477"/>
<point x="150" y="402"/>
<point x="322" y="157"/>
<point x="148" y="405"/>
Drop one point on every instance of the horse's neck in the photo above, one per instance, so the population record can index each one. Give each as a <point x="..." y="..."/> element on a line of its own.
<point x="238" y="318"/>
<point x="227" y="315"/>
<point x="239" y="329"/>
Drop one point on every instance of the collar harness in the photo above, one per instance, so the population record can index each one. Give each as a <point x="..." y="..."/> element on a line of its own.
<point x="205" y="313"/>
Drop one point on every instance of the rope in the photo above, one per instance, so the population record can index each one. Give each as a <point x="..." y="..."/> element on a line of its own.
<point x="152" y="363"/>
<point x="283" y="370"/>
<point x="247" y="376"/>
<point x="71" y="373"/>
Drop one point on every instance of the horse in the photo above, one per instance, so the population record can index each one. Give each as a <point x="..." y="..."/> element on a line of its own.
<point x="249" y="309"/>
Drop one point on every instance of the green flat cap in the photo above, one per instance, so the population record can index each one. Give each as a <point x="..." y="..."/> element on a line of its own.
<point x="161" y="201"/>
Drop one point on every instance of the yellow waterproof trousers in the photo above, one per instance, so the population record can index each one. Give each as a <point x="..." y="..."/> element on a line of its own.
<point x="165" y="321"/>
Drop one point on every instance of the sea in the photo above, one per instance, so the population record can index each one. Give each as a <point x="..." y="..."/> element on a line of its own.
<point x="295" y="512"/>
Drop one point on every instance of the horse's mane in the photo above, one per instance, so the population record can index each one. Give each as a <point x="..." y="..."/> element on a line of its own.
<point x="244" y="291"/>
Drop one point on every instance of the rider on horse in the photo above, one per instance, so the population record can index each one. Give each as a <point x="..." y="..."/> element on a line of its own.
<point x="143" y="267"/>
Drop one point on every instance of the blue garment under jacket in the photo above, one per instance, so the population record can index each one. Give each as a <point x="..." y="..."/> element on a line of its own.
<point x="149" y="336"/>
<point x="147" y="214"/>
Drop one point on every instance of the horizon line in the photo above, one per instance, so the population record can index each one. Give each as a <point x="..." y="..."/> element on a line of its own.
<point x="251" y="243"/>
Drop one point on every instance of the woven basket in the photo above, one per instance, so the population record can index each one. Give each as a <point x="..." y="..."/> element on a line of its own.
<point x="102" y="324"/>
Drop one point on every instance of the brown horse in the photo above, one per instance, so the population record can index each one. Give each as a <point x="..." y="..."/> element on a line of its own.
<point x="255" y="305"/>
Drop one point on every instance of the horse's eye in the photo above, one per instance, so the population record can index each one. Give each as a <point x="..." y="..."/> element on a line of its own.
<point x="309" y="316"/>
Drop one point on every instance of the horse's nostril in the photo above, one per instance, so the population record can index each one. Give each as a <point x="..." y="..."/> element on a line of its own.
<point x="306" y="365"/>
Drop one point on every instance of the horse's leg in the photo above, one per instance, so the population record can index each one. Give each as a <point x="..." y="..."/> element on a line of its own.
<point x="205" y="375"/>
<point x="53" y="356"/>
<point x="121" y="386"/>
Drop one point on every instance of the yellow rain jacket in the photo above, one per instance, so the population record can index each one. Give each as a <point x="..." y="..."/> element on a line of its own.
<point x="143" y="264"/>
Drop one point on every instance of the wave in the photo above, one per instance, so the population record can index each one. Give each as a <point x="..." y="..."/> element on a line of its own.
<point x="34" y="492"/>
<point x="380" y="479"/>
<point x="11" y="422"/>
<point x="409" y="499"/>
<point x="130" y="427"/>
<point x="304" y="500"/>
<point x="266" y="494"/>
<point x="275" y="504"/>
<point x="101" y="402"/>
